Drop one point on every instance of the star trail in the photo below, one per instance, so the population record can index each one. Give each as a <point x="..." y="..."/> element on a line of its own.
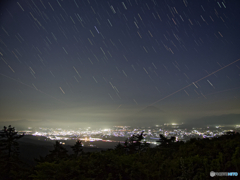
<point x="101" y="62"/>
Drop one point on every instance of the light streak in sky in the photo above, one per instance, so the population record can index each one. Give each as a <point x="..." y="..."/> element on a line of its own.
<point x="96" y="29"/>
<point x="222" y="91"/>
<point x="33" y="88"/>
<point x="62" y="90"/>
<point x="217" y="70"/>
<point x="118" y="107"/>
<point x="193" y="83"/>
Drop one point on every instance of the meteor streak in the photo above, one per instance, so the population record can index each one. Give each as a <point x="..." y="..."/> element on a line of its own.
<point x="33" y="88"/>
<point x="193" y="83"/>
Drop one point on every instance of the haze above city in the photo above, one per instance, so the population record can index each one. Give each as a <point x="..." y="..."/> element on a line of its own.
<point x="105" y="63"/>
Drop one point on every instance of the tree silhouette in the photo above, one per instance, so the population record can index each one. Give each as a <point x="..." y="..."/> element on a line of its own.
<point x="133" y="144"/>
<point x="59" y="152"/>
<point x="172" y="139"/>
<point x="119" y="149"/>
<point x="9" y="151"/>
<point x="164" y="141"/>
<point x="230" y="133"/>
<point x="8" y="141"/>
<point x="77" y="148"/>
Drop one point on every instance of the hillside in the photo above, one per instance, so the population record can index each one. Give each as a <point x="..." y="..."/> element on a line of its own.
<point x="194" y="159"/>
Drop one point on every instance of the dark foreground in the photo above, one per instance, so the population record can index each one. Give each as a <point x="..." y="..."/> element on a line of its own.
<point x="194" y="159"/>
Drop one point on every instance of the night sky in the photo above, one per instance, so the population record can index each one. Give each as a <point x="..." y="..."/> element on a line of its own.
<point x="99" y="63"/>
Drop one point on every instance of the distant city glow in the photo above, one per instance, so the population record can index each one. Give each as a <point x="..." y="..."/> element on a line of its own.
<point x="110" y="134"/>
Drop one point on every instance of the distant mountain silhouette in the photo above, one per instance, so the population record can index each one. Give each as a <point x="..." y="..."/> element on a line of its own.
<point x="151" y="109"/>
<point x="226" y="119"/>
<point x="146" y="117"/>
<point x="23" y="123"/>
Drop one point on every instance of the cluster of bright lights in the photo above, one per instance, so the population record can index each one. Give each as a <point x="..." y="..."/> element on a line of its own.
<point x="122" y="131"/>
